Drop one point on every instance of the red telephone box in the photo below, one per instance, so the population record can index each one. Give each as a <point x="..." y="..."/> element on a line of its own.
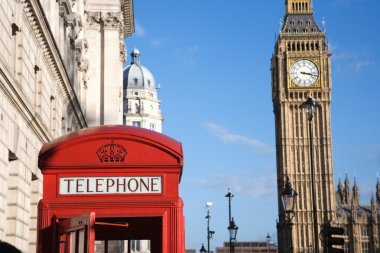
<point x="111" y="183"/>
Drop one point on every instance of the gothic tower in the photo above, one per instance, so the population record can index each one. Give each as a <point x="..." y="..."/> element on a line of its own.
<point x="301" y="68"/>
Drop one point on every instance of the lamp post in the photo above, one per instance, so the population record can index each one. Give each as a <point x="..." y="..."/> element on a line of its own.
<point x="209" y="232"/>
<point x="202" y="249"/>
<point x="268" y="238"/>
<point x="229" y="195"/>
<point x="288" y="197"/>
<point x="311" y="106"/>
<point x="232" y="228"/>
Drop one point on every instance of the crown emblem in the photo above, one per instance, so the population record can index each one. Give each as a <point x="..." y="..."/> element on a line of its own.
<point x="111" y="153"/>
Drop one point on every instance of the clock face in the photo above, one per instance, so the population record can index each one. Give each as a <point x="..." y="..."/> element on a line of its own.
<point x="304" y="73"/>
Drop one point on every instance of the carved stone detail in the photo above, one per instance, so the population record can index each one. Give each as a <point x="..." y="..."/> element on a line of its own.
<point x="81" y="47"/>
<point x="112" y="20"/>
<point x="93" y="20"/>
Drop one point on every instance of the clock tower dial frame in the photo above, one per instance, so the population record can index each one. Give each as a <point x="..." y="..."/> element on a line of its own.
<point x="303" y="73"/>
<point x="301" y="68"/>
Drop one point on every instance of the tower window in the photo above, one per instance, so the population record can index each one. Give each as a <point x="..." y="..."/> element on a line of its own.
<point x="152" y="126"/>
<point x="136" y="93"/>
<point x="148" y="83"/>
<point x="135" y="81"/>
<point x="136" y="123"/>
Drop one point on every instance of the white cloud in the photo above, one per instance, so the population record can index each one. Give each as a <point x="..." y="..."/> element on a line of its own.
<point x="188" y="55"/>
<point x="159" y="41"/>
<point x="227" y="137"/>
<point x="352" y="60"/>
<point x="139" y="30"/>
<point x="256" y="184"/>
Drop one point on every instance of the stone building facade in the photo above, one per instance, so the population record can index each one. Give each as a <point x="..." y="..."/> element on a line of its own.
<point x="360" y="222"/>
<point x="56" y="59"/>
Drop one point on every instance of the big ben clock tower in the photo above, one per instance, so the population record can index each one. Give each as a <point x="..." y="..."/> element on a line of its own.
<point x="301" y="68"/>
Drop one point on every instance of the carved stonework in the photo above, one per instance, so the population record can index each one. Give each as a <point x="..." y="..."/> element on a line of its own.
<point x="93" y="20"/>
<point x="123" y="51"/>
<point x="112" y="20"/>
<point x="81" y="48"/>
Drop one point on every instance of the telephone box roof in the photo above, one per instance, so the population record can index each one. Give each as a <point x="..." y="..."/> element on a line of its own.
<point x="82" y="148"/>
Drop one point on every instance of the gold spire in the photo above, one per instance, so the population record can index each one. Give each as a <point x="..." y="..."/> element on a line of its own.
<point x="299" y="6"/>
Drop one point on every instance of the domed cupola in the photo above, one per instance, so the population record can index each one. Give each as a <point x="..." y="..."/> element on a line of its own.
<point x="141" y="106"/>
<point x="136" y="75"/>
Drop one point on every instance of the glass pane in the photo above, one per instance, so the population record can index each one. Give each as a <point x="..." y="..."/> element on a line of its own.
<point x="82" y="245"/>
<point x="71" y="241"/>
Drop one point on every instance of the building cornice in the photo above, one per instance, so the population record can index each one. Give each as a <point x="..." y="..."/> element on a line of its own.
<point x="43" y="33"/>
<point x="128" y="17"/>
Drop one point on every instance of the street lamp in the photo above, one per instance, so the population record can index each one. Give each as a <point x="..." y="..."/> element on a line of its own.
<point x="288" y="197"/>
<point x="209" y="232"/>
<point x="311" y="106"/>
<point x="229" y="195"/>
<point x="232" y="229"/>
<point x="203" y="250"/>
<point x="268" y="238"/>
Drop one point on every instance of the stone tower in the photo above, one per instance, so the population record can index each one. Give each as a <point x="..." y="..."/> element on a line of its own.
<point x="141" y="105"/>
<point x="301" y="68"/>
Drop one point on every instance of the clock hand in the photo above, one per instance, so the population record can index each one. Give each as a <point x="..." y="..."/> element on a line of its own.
<point x="309" y="74"/>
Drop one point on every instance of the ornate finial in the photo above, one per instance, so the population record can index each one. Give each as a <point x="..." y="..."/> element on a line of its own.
<point x="346" y="181"/>
<point x="324" y="24"/>
<point x="355" y="192"/>
<point x="378" y="190"/>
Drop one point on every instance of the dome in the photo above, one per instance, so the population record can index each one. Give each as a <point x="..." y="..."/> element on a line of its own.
<point x="136" y="75"/>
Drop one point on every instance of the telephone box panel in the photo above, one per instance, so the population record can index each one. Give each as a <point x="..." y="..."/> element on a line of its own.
<point x="111" y="183"/>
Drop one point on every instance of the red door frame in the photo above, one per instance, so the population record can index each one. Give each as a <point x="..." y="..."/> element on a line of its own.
<point x="77" y="224"/>
<point x="112" y="153"/>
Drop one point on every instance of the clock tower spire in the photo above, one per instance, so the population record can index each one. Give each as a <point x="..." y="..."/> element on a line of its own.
<point x="299" y="6"/>
<point x="301" y="68"/>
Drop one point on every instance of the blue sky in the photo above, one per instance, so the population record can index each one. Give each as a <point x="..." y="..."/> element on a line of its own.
<point x="212" y="60"/>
